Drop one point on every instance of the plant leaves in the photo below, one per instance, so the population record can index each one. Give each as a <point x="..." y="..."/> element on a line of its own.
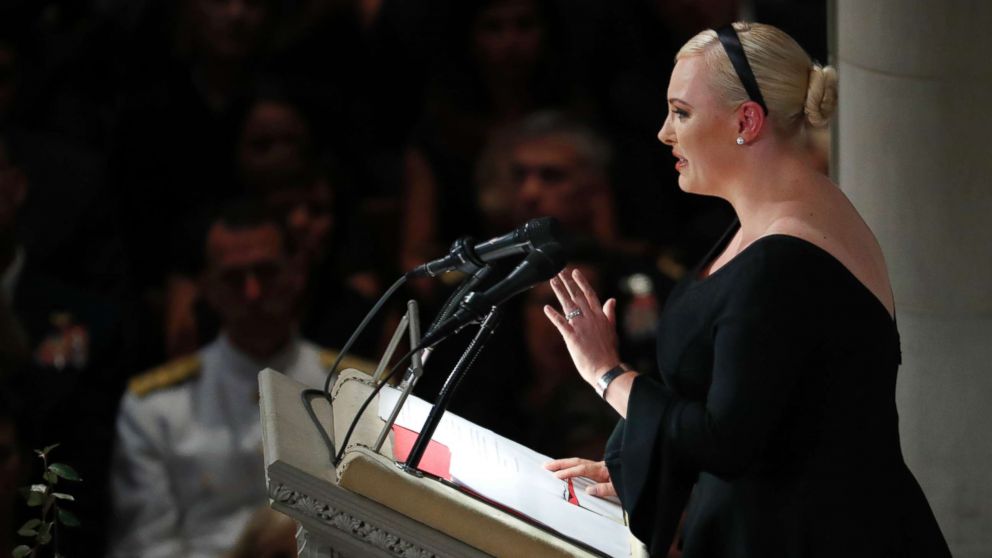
<point x="21" y="551"/>
<point x="30" y="528"/>
<point x="31" y="523"/>
<point x="35" y="499"/>
<point x="64" y="471"/>
<point x="50" y="477"/>
<point x="48" y="449"/>
<point x="63" y="496"/>
<point x="68" y="518"/>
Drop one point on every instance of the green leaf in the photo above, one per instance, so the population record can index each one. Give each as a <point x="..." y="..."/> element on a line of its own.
<point x="30" y="528"/>
<point x="50" y="477"/>
<point x="64" y="471"/>
<point x="31" y="523"/>
<point x="62" y="496"/>
<point x="48" y="449"/>
<point x="35" y="499"/>
<point x="68" y="518"/>
<point x="21" y="551"/>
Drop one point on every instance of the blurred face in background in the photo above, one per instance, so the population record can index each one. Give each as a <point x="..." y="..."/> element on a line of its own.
<point x="508" y="37"/>
<point x="250" y="283"/>
<point x="273" y="147"/>
<point x="548" y="179"/>
<point x="308" y="211"/>
<point x="228" y="29"/>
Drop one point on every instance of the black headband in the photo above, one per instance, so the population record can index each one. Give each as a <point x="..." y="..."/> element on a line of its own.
<point x="732" y="44"/>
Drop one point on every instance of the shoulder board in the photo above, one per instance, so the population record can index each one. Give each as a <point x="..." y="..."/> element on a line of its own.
<point x="169" y="374"/>
<point x="327" y="358"/>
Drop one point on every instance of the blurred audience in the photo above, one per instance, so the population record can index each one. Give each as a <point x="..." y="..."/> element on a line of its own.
<point x="178" y="126"/>
<point x="628" y="53"/>
<point x="187" y="472"/>
<point x="369" y="134"/>
<point x="68" y="220"/>
<point x="551" y="165"/>
<point x="503" y="60"/>
<point x="74" y="349"/>
<point x="280" y="167"/>
<point x="548" y="164"/>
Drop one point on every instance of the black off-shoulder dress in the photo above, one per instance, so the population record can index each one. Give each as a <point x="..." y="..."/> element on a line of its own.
<point x="774" y="425"/>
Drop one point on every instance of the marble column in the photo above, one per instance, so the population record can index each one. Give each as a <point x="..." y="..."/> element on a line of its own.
<point x="914" y="153"/>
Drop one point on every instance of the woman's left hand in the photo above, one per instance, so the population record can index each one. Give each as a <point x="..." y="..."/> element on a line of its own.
<point x="590" y="333"/>
<point x="565" y="469"/>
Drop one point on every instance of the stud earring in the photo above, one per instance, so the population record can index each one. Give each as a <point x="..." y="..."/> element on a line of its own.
<point x="740" y="140"/>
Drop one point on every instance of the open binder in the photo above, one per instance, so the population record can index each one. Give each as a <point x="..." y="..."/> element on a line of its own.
<point x="369" y="506"/>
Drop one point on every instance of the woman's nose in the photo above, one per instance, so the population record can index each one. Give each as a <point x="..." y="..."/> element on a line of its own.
<point x="666" y="135"/>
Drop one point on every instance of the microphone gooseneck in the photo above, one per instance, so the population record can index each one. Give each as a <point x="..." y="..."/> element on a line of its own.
<point x="466" y="256"/>
<point x="540" y="265"/>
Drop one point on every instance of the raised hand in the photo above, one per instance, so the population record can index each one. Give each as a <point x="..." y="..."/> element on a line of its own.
<point x="588" y="327"/>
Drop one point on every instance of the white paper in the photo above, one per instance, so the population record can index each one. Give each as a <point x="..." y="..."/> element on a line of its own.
<point x="514" y="476"/>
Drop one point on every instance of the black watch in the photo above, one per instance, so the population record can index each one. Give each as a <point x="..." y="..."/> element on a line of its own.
<point x="604" y="381"/>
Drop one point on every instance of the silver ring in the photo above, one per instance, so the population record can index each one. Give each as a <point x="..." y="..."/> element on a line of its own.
<point x="573" y="314"/>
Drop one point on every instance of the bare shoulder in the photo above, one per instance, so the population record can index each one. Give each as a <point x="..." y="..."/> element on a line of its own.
<point x="838" y="229"/>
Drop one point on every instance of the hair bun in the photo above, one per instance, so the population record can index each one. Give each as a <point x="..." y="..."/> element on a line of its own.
<point x="821" y="95"/>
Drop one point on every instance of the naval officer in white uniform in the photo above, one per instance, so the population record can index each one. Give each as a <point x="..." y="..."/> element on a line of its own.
<point x="188" y="470"/>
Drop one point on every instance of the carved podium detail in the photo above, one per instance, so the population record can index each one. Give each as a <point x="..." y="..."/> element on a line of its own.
<point x="353" y="526"/>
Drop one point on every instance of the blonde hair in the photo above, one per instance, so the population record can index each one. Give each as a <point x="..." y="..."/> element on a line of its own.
<point x="797" y="91"/>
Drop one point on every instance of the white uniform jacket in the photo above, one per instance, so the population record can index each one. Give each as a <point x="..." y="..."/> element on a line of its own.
<point x="188" y="468"/>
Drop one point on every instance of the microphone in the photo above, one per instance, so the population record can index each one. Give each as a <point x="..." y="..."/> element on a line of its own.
<point x="541" y="264"/>
<point x="465" y="257"/>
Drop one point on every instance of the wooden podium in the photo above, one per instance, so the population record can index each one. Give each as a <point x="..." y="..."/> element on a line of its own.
<point x="367" y="506"/>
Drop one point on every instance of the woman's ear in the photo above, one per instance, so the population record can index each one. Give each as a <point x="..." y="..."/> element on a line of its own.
<point x="750" y="121"/>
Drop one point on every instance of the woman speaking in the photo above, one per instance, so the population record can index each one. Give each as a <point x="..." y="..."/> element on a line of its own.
<point x="773" y="427"/>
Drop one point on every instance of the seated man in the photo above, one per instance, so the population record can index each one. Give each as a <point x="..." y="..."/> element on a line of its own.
<point x="188" y="471"/>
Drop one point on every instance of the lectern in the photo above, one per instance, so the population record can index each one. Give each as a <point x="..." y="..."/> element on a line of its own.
<point x="367" y="505"/>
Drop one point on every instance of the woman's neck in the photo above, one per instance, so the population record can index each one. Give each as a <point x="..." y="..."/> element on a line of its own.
<point x="775" y="183"/>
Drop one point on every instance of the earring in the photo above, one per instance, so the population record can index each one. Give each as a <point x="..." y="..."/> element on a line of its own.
<point x="740" y="140"/>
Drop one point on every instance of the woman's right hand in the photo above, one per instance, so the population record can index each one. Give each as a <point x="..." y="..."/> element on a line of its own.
<point x="577" y="467"/>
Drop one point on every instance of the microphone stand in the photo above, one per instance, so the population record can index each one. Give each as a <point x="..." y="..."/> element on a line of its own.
<point x="450" y="385"/>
